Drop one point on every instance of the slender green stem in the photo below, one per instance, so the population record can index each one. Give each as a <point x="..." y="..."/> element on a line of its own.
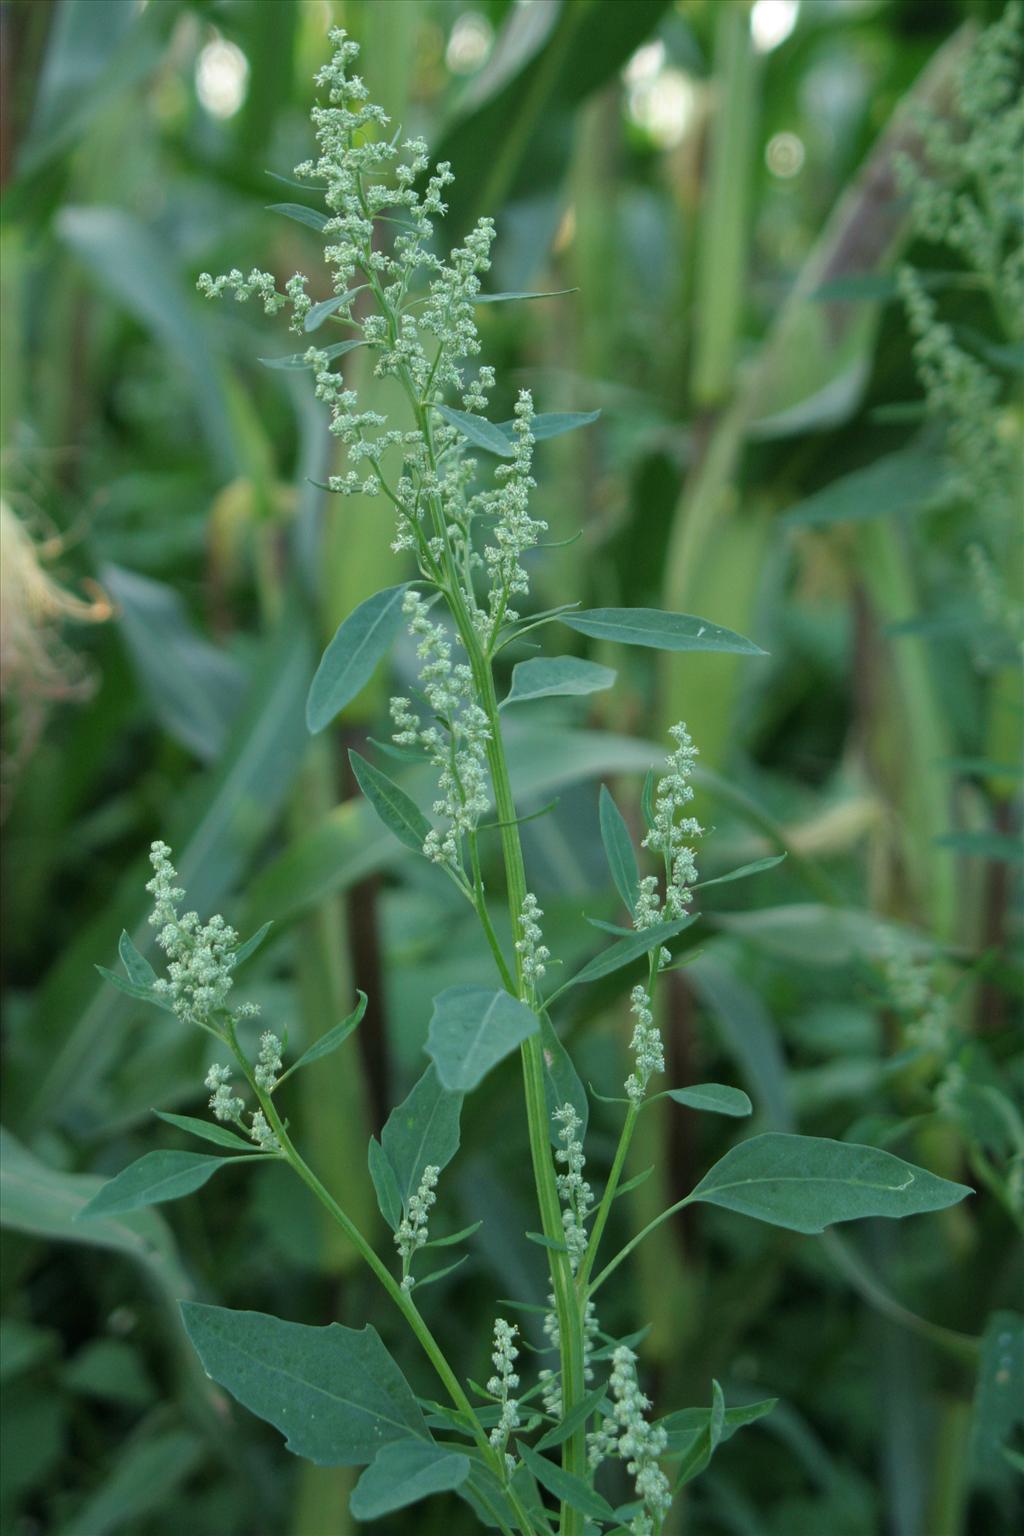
<point x="604" y="1209"/>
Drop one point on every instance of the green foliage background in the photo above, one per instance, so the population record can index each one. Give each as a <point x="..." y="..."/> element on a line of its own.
<point x="743" y="365"/>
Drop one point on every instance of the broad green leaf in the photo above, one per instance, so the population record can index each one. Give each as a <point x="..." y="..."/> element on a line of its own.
<point x="385" y="1184"/>
<point x="744" y="870"/>
<point x="295" y="362"/>
<point x="546" y="677"/>
<point x="206" y="1130"/>
<point x="704" y="1447"/>
<point x="423" y="1130"/>
<point x="472" y="1029"/>
<point x="250" y="946"/>
<point x="893" y="485"/>
<point x="316" y="316"/>
<point x="403" y="1473"/>
<point x="142" y="992"/>
<point x="626" y="951"/>
<point x="152" y="1179"/>
<point x="998" y="1399"/>
<point x="138" y="967"/>
<point x="478" y="430"/>
<point x="806" y="1183"/>
<point x="400" y="814"/>
<point x="686" y="1425"/>
<point x="503" y="298"/>
<point x="715" y="1098"/>
<point x="618" y="848"/>
<point x="661" y="631"/>
<point x="335" y="1393"/>
<point x="302" y="215"/>
<point x="352" y="656"/>
<point x="332" y="1039"/>
<point x="573" y="1419"/>
<point x="565" y="1486"/>
<point x="562" y="1083"/>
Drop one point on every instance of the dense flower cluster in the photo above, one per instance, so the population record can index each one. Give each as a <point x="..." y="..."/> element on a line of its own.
<point x="503" y="1384"/>
<point x="628" y="1435"/>
<point x="646" y="1045"/>
<point x="668" y="836"/>
<point x="533" y="952"/>
<point x="412" y="1233"/>
<point x="200" y="956"/>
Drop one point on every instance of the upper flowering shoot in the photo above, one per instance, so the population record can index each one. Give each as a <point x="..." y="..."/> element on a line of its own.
<point x="200" y="957"/>
<point x="503" y="1384"/>
<point x="412" y="1232"/>
<point x="575" y="1192"/>
<point x="532" y="952"/>
<point x="646" y="1046"/>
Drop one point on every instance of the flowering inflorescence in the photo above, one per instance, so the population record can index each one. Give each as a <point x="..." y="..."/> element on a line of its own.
<point x="412" y="1232"/>
<point x="200" y="957"/>
<point x="533" y="952"/>
<point x="628" y="1435"/>
<point x="668" y="834"/>
<point x="646" y="1045"/>
<point x="503" y="1384"/>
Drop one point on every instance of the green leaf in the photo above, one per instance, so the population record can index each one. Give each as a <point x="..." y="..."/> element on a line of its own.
<point x="744" y="870"/>
<point x="998" y="1399"/>
<point x="207" y="1130"/>
<point x="715" y="1098"/>
<point x="560" y="1432"/>
<point x="332" y="1039"/>
<point x="423" y="1130"/>
<point x="471" y="1030"/>
<point x="700" y="1453"/>
<point x="144" y="994"/>
<point x="565" y="1486"/>
<point x="626" y="951"/>
<point x="546" y="677"/>
<point x="250" y="946"/>
<point x="661" y="631"/>
<point x="352" y="656"/>
<point x="543" y="1241"/>
<point x="647" y="795"/>
<point x="439" y="1274"/>
<point x="686" y="1425"/>
<point x="385" y="1184"/>
<point x="403" y="1473"/>
<point x="316" y="316"/>
<point x="478" y="430"/>
<point x="454" y="1237"/>
<point x="335" y="1393"/>
<point x="503" y="298"/>
<point x="562" y="1083"/>
<point x="145" y="1477"/>
<point x="618" y="848"/>
<point x="137" y="966"/>
<point x="302" y="215"/>
<point x="295" y="362"/>
<point x="152" y="1179"/>
<point x="635" y="1181"/>
<point x="896" y="484"/>
<point x="552" y="424"/>
<point x="806" y="1183"/>
<point x="400" y="814"/>
<point x="1000" y="847"/>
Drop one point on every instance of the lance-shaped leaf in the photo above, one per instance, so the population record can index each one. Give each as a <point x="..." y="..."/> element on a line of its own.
<point x="618" y="848"/>
<point x="566" y="1486"/>
<point x="478" y="430"/>
<point x="756" y="868"/>
<point x="806" y="1183"/>
<point x="696" y="1458"/>
<point x="302" y="215"/>
<point x="332" y="1039"/>
<point x="660" y="631"/>
<point x="385" y="1184"/>
<point x="316" y="316"/>
<point x="472" y="1029"/>
<point x="296" y="361"/>
<point x="400" y="814"/>
<point x="545" y="677"/>
<point x="686" y="1426"/>
<point x="629" y="948"/>
<point x="352" y="656"/>
<point x="403" y="1473"/>
<point x="206" y="1130"/>
<point x="423" y="1130"/>
<point x="714" y="1098"/>
<point x="335" y="1393"/>
<point x="250" y="946"/>
<point x="504" y="298"/>
<point x="152" y="1179"/>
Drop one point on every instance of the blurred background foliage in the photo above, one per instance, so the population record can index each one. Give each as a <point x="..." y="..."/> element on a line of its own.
<point x="714" y="180"/>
